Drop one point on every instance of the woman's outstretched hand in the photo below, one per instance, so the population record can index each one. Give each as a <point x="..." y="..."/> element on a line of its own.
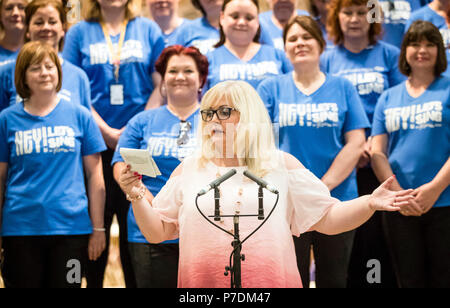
<point x="385" y="199"/>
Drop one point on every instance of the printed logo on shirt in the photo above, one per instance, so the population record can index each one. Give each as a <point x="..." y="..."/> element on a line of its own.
<point x="395" y="12"/>
<point x="278" y="43"/>
<point x="311" y="115"/>
<point x="167" y="146"/>
<point x="446" y="37"/>
<point x="366" y="80"/>
<point x="250" y="71"/>
<point x="204" y="46"/>
<point x="51" y="139"/>
<point x="420" y="116"/>
<point x="132" y="51"/>
<point x="6" y="62"/>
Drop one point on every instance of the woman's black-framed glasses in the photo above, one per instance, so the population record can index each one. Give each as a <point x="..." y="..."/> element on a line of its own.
<point x="223" y="113"/>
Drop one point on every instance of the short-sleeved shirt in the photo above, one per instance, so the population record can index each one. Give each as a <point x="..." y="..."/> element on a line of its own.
<point x="156" y="130"/>
<point x="74" y="88"/>
<point x="45" y="188"/>
<point x="205" y="249"/>
<point x="419" y="133"/>
<point x="198" y="33"/>
<point x="223" y="65"/>
<point x="312" y="127"/>
<point x="85" y="46"/>
<point x="371" y="71"/>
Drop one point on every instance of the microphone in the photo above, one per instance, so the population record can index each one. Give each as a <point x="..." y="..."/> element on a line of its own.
<point x="260" y="182"/>
<point x="217" y="182"/>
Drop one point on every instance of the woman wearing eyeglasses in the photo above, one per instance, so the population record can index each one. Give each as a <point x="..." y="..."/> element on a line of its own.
<point x="169" y="133"/>
<point x="237" y="134"/>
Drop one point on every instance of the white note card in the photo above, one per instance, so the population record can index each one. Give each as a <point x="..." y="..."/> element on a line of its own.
<point x="140" y="161"/>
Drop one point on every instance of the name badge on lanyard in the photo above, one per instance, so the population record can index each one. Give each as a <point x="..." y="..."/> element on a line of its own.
<point x="116" y="89"/>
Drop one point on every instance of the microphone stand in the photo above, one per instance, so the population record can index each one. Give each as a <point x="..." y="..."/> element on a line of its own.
<point x="260" y="203"/>
<point x="236" y="257"/>
<point x="216" y="203"/>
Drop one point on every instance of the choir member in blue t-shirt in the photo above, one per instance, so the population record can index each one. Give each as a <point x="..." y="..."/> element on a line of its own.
<point x="165" y="14"/>
<point x="372" y="67"/>
<point x="411" y="139"/>
<point x="117" y="50"/>
<point x="238" y="54"/>
<point x="46" y="22"/>
<point x="12" y="28"/>
<point x="170" y="134"/>
<point x="202" y="32"/>
<point x="438" y="13"/>
<point x="51" y="219"/>
<point x="395" y="16"/>
<point x="273" y="21"/>
<point x="320" y="120"/>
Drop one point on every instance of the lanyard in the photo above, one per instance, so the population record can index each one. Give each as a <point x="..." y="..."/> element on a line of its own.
<point x="115" y="55"/>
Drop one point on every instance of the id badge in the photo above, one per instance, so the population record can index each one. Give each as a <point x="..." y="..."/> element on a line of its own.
<point x="116" y="94"/>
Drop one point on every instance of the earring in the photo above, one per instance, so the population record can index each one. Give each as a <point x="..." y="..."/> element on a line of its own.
<point x="163" y="91"/>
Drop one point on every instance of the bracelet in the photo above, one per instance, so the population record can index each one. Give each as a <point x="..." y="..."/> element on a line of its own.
<point x="99" y="229"/>
<point x="139" y="196"/>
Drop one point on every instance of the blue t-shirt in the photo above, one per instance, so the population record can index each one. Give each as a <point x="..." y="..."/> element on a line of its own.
<point x="223" y="65"/>
<point x="270" y="33"/>
<point x="328" y="41"/>
<point x="312" y="127"/>
<point x="45" y="189"/>
<point x="419" y="133"/>
<point x="156" y="130"/>
<point x="198" y="33"/>
<point x="86" y="47"/>
<point x="74" y="88"/>
<point x="7" y="56"/>
<point x="371" y="71"/>
<point x="170" y="38"/>
<point x="447" y="72"/>
<point x="427" y="14"/>
<point x="396" y="14"/>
